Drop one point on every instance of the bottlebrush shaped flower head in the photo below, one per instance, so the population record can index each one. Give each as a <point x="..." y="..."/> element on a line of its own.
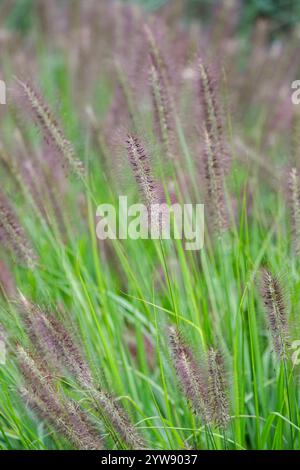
<point x="192" y="378"/>
<point x="52" y="340"/>
<point x="61" y="413"/>
<point x="274" y="301"/>
<point x="50" y="129"/>
<point x="140" y="165"/>
<point x="13" y="236"/>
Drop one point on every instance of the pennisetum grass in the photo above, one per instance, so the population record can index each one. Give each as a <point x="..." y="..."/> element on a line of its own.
<point x="50" y="129"/>
<point x="276" y="309"/>
<point x="215" y="155"/>
<point x="274" y="301"/>
<point x="94" y="372"/>
<point x="294" y="199"/>
<point x="40" y="393"/>
<point x="54" y="343"/>
<point x="13" y="236"/>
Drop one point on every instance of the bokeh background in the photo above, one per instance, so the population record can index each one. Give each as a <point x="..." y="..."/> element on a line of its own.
<point x="283" y="14"/>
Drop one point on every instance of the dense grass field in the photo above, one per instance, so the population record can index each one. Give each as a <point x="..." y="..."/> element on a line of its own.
<point x="130" y="344"/>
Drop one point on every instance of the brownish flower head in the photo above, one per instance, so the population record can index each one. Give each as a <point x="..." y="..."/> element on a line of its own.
<point x="13" y="236"/>
<point x="51" y="338"/>
<point x="191" y="377"/>
<point x="163" y="113"/>
<point x="294" y="200"/>
<point x="273" y="297"/>
<point x="218" y="406"/>
<point x="163" y="104"/>
<point x="61" y="413"/>
<point x="215" y="185"/>
<point x="118" y="419"/>
<point x="50" y="129"/>
<point x="140" y="165"/>
<point x="7" y="283"/>
<point x="212" y="114"/>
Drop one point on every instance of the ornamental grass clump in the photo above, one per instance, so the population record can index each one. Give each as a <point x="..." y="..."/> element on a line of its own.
<point x="84" y="362"/>
<point x="63" y="414"/>
<point x="203" y="382"/>
<point x="60" y="353"/>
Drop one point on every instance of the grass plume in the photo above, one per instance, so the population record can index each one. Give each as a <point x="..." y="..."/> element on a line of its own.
<point x="274" y="301"/>
<point x="50" y="129"/>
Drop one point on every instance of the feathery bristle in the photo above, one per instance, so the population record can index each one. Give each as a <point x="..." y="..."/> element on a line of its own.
<point x="10" y="166"/>
<point x="212" y="115"/>
<point x="215" y="186"/>
<point x="156" y="56"/>
<point x="294" y="196"/>
<point x="215" y="152"/>
<point x="163" y="103"/>
<point x="59" y="412"/>
<point x="276" y="310"/>
<point x="52" y="340"/>
<point x="140" y="165"/>
<point x="7" y="283"/>
<point x="51" y="131"/>
<point x="50" y="336"/>
<point x="118" y="419"/>
<point x="191" y="377"/>
<point x="162" y="111"/>
<point x="13" y="236"/>
<point x="38" y="384"/>
<point x="218" y="406"/>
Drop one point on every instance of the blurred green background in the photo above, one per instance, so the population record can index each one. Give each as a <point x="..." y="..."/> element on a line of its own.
<point x="284" y="14"/>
